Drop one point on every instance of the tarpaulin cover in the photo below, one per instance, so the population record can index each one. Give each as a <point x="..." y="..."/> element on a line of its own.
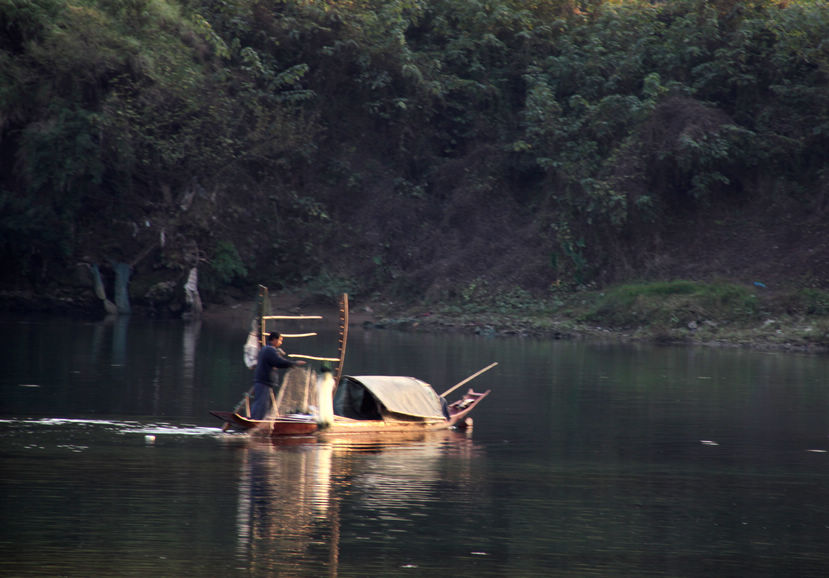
<point x="403" y="395"/>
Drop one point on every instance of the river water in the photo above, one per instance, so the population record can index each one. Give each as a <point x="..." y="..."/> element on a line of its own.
<point x="586" y="459"/>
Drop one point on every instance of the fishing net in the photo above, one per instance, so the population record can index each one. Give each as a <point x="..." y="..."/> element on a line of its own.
<point x="298" y="393"/>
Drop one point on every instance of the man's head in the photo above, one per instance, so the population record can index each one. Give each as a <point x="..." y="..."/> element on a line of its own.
<point x="274" y="338"/>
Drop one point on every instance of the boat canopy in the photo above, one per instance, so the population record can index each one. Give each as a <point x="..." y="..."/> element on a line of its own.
<point x="356" y="395"/>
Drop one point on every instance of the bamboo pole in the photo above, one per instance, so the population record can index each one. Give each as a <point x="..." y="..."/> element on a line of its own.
<point x="266" y="318"/>
<point x="468" y="379"/>
<point x="307" y="389"/>
<point x="312" y="357"/>
<point x="291" y="317"/>
<point x="273" y="400"/>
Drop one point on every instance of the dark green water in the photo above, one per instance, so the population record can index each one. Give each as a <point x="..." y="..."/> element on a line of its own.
<point x="586" y="459"/>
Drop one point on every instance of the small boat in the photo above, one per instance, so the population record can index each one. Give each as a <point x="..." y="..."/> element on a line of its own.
<point x="329" y="403"/>
<point x="371" y="404"/>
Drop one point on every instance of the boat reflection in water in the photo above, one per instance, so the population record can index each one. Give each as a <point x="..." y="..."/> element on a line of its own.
<point x="292" y="492"/>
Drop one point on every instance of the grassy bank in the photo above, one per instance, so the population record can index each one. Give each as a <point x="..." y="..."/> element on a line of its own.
<point x="722" y="314"/>
<point x="665" y="312"/>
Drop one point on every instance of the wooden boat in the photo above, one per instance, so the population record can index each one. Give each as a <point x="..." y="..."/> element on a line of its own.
<point x="333" y="404"/>
<point x="371" y="404"/>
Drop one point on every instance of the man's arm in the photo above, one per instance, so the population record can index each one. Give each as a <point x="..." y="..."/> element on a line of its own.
<point x="280" y="361"/>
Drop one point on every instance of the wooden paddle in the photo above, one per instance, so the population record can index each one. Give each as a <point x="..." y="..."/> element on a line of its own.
<point x="468" y="379"/>
<point x="244" y="401"/>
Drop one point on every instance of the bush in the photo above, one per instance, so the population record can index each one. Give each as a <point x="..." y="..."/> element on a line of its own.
<point x="227" y="263"/>
<point x="674" y="303"/>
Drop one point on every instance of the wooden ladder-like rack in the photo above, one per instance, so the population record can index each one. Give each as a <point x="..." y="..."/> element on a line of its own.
<point x="343" y="338"/>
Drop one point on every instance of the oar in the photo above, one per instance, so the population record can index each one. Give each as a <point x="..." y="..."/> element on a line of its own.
<point x="470" y="378"/>
<point x="242" y="402"/>
<point x="247" y="395"/>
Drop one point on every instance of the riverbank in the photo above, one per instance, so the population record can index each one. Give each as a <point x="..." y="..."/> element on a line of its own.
<point x="678" y="312"/>
<point x="718" y="315"/>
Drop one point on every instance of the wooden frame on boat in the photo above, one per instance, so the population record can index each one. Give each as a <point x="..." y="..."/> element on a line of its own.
<point x="384" y="404"/>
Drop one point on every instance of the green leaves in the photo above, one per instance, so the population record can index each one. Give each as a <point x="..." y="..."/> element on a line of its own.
<point x="227" y="263"/>
<point x="591" y="126"/>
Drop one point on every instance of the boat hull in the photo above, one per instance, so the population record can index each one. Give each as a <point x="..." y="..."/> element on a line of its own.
<point x="283" y="426"/>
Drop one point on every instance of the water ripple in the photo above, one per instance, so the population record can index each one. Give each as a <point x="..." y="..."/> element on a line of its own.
<point x="119" y="427"/>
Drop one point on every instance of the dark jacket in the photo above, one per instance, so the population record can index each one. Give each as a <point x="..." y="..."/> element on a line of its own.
<point x="270" y="357"/>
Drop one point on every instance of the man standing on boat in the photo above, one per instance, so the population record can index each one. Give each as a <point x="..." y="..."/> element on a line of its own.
<point x="264" y="382"/>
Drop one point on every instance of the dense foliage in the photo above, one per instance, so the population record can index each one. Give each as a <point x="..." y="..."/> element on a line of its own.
<point x="421" y="146"/>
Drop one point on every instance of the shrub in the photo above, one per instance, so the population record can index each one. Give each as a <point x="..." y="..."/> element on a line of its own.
<point x="674" y="303"/>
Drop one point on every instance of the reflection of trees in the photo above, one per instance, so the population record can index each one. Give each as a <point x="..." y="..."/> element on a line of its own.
<point x="290" y="496"/>
<point x="190" y="339"/>
<point x="149" y="366"/>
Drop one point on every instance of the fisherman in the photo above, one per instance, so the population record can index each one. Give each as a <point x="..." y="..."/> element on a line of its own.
<point x="270" y="357"/>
